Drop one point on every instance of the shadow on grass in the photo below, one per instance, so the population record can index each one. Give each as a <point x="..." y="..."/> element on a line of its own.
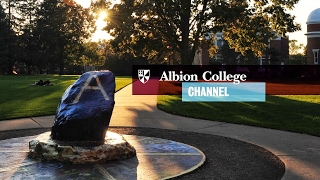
<point x="18" y="99"/>
<point x="289" y="113"/>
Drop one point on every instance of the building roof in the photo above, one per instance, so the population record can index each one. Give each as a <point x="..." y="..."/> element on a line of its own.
<point x="314" y="17"/>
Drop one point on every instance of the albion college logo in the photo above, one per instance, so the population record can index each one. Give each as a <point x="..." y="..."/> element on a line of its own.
<point x="144" y="75"/>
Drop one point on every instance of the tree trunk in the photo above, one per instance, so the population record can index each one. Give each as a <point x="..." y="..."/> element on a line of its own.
<point x="185" y="18"/>
<point x="61" y="61"/>
<point x="9" y="68"/>
<point x="198" y="32"/>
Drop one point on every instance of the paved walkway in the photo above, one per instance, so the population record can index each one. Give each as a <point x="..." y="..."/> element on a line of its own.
<point x="299" y="152"/>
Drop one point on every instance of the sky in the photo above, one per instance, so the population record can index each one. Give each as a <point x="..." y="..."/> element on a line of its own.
<point x="302" y="11"/>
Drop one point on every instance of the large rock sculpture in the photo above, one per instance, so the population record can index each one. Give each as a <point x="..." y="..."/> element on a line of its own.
<point x="85" y="109"/>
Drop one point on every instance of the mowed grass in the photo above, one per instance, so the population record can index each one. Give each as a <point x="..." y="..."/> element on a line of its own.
<point x="296" y="113"/>
<point x="18" y="99"/>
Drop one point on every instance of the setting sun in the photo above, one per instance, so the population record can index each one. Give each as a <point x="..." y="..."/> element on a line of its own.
<point x="99" y="34"/>
<point x="100" y="23"/>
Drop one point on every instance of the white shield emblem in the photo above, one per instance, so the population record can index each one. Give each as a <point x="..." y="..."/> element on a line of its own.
<point x="144" y="75"/>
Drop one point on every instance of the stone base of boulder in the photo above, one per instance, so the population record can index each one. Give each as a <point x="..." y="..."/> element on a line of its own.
<point x="115" y="147"/>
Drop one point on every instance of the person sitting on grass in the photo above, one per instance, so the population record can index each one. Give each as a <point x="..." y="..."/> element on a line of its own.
<point x="43" y="83"/>
<point x="40" y="83"/>
<point x="47" y="83"/>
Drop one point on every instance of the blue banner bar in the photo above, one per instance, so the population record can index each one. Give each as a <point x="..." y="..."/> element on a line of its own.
<point x="223" y="92"/>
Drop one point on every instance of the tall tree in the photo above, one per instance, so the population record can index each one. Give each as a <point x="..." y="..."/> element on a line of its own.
<point x="145" y="27"/>
<point x="9" y="27"/>
<point x="26" y="42"/>
<point x="295" y="48"/>
<point x="61" y="31"/>
<point x="4" y="31"/>
<point x="93" y="55"/>
<point x="298" y="53"/>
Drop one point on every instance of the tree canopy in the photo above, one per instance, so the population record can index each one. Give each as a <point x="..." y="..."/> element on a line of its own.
<point x="44" y="35"/>
<point x="4" y="33"/>
<point x="61" y="32"/>
<point x="47" y="34"/>
<point x="150" y="27"/>
<point x="295" y="48"/>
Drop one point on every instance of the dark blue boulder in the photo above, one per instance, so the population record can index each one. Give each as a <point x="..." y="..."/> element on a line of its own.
<point x="85" y="108"/>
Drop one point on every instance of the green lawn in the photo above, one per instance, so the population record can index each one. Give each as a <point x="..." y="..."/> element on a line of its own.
<point x="291" y="113"/>
<point x="18" y="99"/>
<point x="299" y="113"/>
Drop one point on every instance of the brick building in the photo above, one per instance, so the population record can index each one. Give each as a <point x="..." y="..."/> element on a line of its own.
<point x="281" y="44"/>
<point x="313" y="35"/>
<point x="278" y="49"/>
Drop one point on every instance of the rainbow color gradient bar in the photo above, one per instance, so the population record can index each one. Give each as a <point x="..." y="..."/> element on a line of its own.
<point x="223" y="92"/>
